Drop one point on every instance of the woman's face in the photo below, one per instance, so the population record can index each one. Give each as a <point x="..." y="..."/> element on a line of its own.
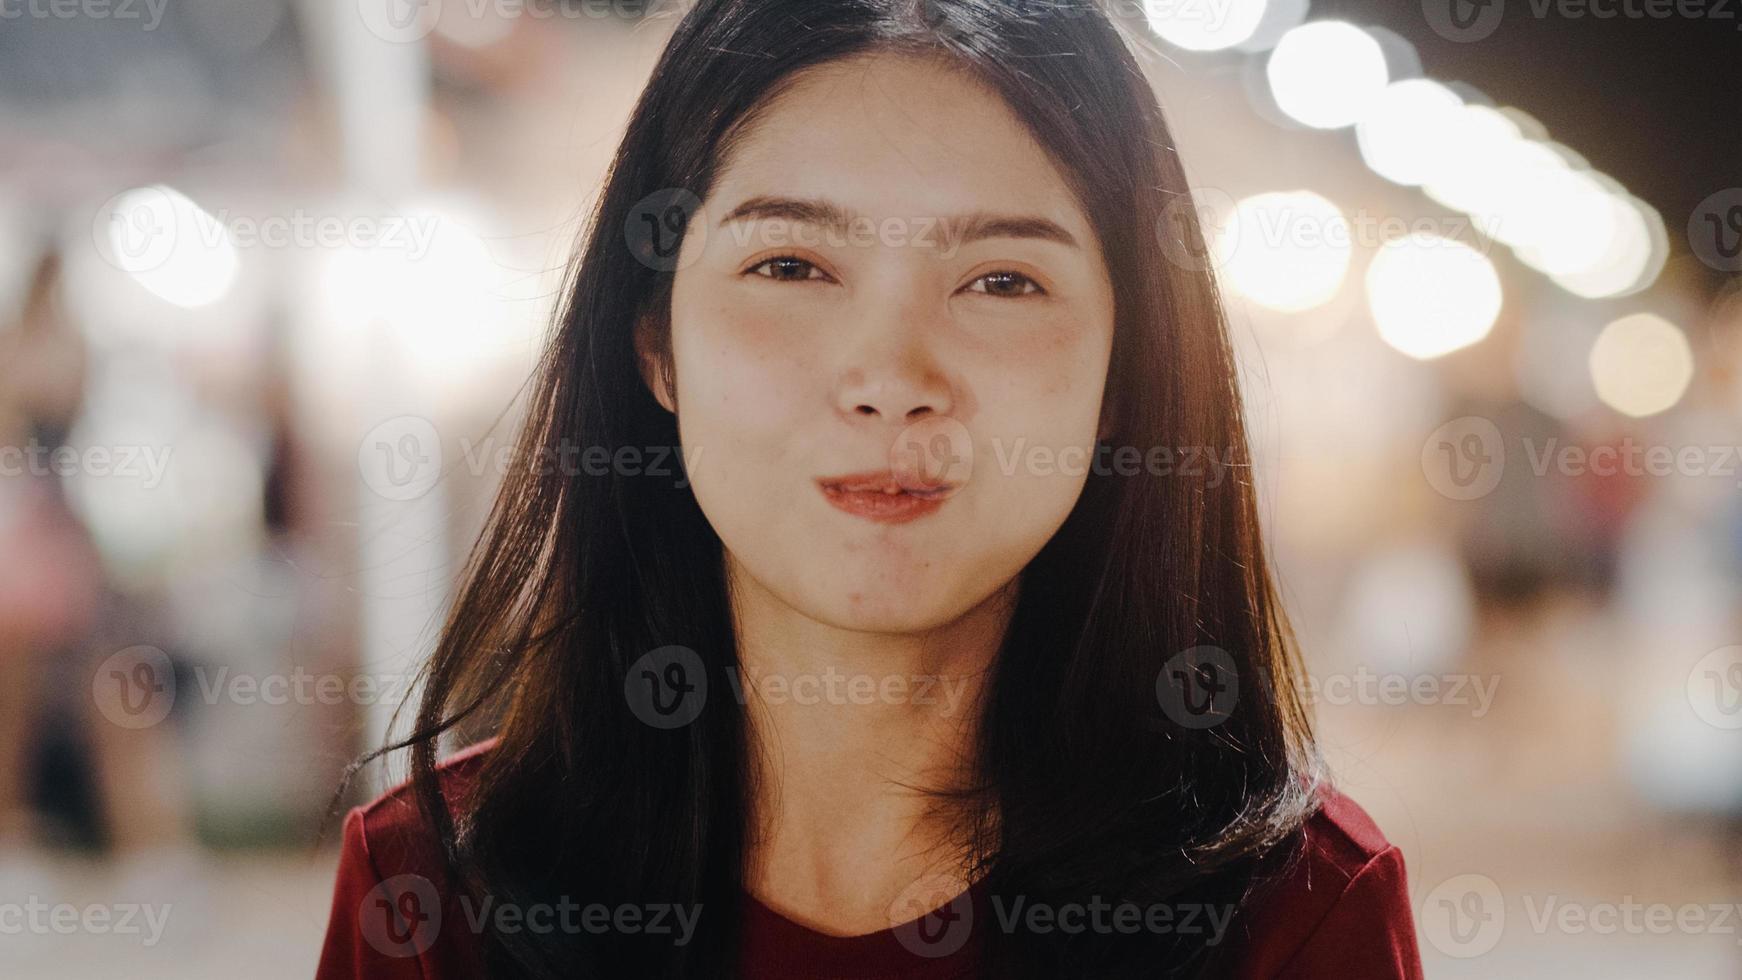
<point x="952" y="337"/>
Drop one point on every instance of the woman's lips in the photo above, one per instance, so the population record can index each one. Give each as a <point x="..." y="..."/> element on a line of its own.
<point x="880" y="497"/>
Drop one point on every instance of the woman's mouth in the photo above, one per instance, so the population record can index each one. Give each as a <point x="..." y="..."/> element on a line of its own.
<point x="881" y="497"/>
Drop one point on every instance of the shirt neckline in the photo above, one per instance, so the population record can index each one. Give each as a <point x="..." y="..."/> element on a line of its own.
<point x="774" y="941"/>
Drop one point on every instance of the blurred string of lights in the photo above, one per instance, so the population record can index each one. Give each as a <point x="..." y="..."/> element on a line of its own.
<point x="1430" y="294"/>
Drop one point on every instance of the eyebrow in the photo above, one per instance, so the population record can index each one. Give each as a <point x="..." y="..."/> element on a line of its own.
<point x="971" y="226"/>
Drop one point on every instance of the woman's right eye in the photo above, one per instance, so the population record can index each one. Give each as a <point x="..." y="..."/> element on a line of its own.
<point x="787" y="268"/>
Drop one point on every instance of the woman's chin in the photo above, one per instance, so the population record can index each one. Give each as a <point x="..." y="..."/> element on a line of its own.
<point x="907" y="603"/>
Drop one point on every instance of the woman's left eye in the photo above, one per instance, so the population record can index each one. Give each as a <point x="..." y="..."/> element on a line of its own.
<point x="1007" y="284"/>
<point x="787" y="268"/>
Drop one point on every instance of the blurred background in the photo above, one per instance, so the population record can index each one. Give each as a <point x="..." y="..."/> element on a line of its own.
<point x="272" y="273"/>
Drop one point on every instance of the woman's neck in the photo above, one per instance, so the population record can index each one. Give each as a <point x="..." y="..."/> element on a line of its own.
<point x="846" y="729"/>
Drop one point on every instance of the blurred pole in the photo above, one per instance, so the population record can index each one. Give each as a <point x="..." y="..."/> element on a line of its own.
<point x="374" y="61"/>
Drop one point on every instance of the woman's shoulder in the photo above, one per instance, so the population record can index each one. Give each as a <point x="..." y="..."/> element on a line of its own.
<point x="1341" y="838"/>
<point x="1341" y="908"/>
<point x="392" y="914"/>
<point x="393" y="819"/>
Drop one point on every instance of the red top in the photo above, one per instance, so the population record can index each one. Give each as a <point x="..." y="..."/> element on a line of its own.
<point x="1342" y="913"/>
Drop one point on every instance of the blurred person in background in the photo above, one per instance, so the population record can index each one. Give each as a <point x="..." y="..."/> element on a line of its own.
<point x="101" y="785"/>
<point x="50" y="582"/>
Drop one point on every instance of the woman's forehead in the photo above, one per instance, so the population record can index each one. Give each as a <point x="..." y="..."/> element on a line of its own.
<point x="894" y="136"/>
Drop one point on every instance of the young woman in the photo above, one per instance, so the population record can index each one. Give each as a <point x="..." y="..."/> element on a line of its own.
<point x="906" y="632"/>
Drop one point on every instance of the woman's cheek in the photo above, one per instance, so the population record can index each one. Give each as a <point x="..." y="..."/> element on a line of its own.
<point x="1050" y="397"/>
<point x="742" y="392"/>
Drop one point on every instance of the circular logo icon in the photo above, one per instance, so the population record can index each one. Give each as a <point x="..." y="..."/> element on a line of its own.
<point x="657" y="226"/>
<point x="1198" y="687"/>
<point x="667" y="687"/>
<point x="135" y="687"/>
<point x="1715" y="230"/>
<point x="1464" y="916"/>
<point x="1463" y="21"/>
<point x="402" y="916"/>
<point x="400" y="21"/>
<point x="137" y="230"/>
<point x="401" y="458"/>
<point x="933" y="15"/>
<point x="933" y="454"/>
<point x="1197" y="230"/>
<point x="1715" y="688"/>
<point x="1464" y="458"/>
<point x="934" y="916"/>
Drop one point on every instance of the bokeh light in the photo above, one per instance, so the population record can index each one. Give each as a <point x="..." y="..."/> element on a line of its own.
<point x="1399" y="135"/>
<point x="1204" y="27"/>
<point x="1641" y="364"/>
<point x="1431" y="295"/>
<point x="1285" y="250"/>
<point x="1327" y="73"/>
<point x="169" y="244"/>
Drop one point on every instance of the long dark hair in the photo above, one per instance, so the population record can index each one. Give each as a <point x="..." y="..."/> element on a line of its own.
<point x="1101" y="788"/>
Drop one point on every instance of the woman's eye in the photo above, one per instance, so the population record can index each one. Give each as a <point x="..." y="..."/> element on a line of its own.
<point x="1010" y="285"/>
<point x="1005" y="284"/>
<point x="787" y="268"/>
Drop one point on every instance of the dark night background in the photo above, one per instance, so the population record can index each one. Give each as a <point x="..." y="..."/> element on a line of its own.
<point x="1655" y="103"/>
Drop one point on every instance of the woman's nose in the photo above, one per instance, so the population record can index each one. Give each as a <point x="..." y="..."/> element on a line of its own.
<point x="889" y="372"/>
